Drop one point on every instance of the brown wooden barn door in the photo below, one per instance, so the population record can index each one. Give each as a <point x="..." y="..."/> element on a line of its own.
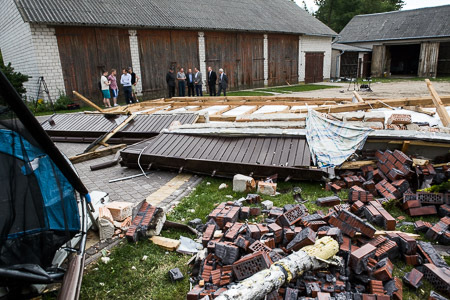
<point x="155" y="56"/>
<point x="86" y="51"/>
<point x="314" y="67"/>
<point x="257" y="71"/>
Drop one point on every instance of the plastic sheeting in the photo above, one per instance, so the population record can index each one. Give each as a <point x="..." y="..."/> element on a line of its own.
<point x="332" y="142"/>
<point x="60" y="204"/>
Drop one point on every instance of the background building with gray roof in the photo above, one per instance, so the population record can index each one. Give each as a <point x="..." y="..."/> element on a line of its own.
<point x="411" y="42"/>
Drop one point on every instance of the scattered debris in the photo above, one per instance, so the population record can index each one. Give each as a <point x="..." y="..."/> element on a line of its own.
<point x="267" y="188"/>
<point x="105" y="260"/>
<point x="244" y="250"/>
<point x="175" y="275"/>
<point x="242" y="183"/>
<point x="223" y="186"/>
<point x="166" y="243"/>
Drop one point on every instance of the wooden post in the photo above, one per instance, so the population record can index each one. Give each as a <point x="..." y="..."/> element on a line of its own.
<point x="284" y="270"/>
<point x="440" y="108"/>
<point x="88" y="102"/>
<point x="358" y="97"/>
<point x="113" y="132"/>
<point x="96" y="154"/>
<point x="405" y="146"/>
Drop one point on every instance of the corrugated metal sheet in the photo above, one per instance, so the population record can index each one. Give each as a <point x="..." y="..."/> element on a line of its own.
<point x="408" y="24"/>
<point x="247" y="15"/>
<point x="87" y="127"/>
<point x="262" y="156"/>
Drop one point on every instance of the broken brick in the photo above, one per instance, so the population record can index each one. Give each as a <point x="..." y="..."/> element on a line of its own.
<point x="413" y="278"/>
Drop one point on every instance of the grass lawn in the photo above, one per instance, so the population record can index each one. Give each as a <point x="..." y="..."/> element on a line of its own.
<point x="119" y="280"/>
<point x="282" y="90"/>
<point x="299" y="88"/>
<point x="64" y="111"/>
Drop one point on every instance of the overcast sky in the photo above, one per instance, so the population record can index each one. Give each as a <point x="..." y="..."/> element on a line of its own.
<point x="409" y="4"/>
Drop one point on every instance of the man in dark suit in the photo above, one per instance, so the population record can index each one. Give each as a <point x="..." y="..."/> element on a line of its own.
<point x="170" y="79"/>
<point x="212" y="79"/>
<point x="223" y="82"/>
<point x="190" y="83"/>
<point x="198" y="82"/>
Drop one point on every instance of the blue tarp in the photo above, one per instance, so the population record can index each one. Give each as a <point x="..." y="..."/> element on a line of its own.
<point x="57" y="193"/>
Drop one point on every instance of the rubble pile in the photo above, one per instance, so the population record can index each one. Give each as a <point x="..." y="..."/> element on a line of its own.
<point x="237" y="248"/>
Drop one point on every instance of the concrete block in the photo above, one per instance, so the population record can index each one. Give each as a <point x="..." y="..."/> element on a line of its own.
<point x="242" y="183"/>
<point x="267" y="205"/>
<point x="267" y="188"/>
<point x="120" y="210"/>
<point x="106" y="229"/>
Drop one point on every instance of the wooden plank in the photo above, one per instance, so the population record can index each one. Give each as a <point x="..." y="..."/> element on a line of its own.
<point x="96" y="154"/>
<point x="88" y="102"/>
<point x="405" y="146"/>
<point x="358" y="97"/>
<point x="356" y="165"/>
<point x="423" y="102"/>
<point x="440" y="108"/>
<point x="165" y="243"/>
<point x="420" y="143"/>
<point x="113" y="132"/>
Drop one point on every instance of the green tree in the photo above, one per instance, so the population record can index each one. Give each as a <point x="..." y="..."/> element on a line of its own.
<point x="17" y="79"/>
<point x="337" y="13"/>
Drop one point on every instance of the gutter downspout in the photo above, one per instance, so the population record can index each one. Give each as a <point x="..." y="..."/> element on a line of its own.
<point x="338" y="60"/>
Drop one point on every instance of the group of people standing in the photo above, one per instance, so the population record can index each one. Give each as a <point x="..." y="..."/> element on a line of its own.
<point x="194" y="81"/>
<point x="109" y="86"/>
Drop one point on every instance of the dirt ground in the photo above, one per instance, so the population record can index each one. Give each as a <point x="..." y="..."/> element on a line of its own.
<point x="395" y="89"/>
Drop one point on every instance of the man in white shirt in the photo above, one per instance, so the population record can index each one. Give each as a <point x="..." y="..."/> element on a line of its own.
<point x="125" y="80"/>
<point x="105" y="89"/>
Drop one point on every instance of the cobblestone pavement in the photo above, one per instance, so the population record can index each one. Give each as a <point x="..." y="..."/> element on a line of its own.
<point x="133" y="190"/>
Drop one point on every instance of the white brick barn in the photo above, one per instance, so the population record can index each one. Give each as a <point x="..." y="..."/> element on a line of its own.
<point x="258" y="42"/>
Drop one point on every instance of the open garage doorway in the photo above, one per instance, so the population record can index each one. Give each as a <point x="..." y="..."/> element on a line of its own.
<point x="443" y="68"/>
<point x="404" y="59"/>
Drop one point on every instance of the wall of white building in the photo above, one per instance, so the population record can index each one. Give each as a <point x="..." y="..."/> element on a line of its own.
<point x="32" y="50"/>
<point x="314" y="44"/>
<point x="16" y="44"/>
<point x="49" y="62"/>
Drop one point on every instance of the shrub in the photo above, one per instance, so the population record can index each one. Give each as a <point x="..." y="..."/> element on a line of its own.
<point x="16" y="78"/>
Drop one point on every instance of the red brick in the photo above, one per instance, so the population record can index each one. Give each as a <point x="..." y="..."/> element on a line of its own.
<point x="413" y="278"/>
<point x="357" y="257"/>
<point x="422" y="211"/>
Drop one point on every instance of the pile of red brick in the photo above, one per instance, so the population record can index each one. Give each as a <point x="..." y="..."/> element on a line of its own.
<point x="395" y="177"/>
<point x="236" y="250"/>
